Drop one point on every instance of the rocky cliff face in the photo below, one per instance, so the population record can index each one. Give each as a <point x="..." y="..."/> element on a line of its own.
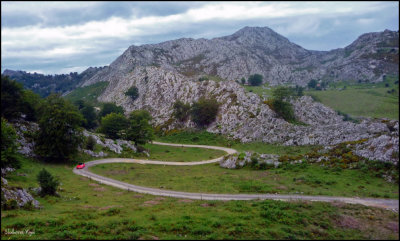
<point x="259" y="50"/>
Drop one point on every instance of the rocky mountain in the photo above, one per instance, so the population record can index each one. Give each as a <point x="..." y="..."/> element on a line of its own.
<point x="46" y="84"/>
<point x="260" y="50"/>
<point x="167" y="72"/>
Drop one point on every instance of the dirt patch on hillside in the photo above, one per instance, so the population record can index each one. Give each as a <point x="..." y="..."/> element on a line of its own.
<point x="159" y="198"/>
<point x="345" y="221"/>
<point x="108" y="207"/>
<point x="88" y="206"/>
<point x="137" y="196"/>
<point x="150" y="203"/>
<point x="93" y="184"/>
<point x="185" y="201"/>
<point x="99" y="189"/>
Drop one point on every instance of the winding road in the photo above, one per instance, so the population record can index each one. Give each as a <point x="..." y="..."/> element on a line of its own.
<point x="392" y="204"/>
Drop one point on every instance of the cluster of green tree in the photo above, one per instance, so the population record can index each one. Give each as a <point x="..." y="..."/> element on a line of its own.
<point x="134" y="128"/>
<point x="44" y="85"/>
<point x="314" y="84"/>
<point x="203" y="112"/>
<point x="61" y="123"/>
<point x="15" y="103"/>
<point x="254" y="80"/>
<point x="280" y="101"/>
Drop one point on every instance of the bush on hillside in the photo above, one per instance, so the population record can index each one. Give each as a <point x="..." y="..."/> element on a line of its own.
<point x="8" y="145"/>
<point x="255" y="79"/>
<point x="133" y="92"/>
<point x="181" y="111"/>
<point x="47" y="183"/>
<point x="204" y="112"/>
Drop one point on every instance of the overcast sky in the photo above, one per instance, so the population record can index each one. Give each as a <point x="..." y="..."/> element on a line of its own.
<point x="63" y="37"/>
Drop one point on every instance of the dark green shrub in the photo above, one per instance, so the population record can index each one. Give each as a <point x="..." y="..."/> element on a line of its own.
<point x="181" y="111"/>
<point x="243" y="81"/>
<point x="133" y="92"/>
<point x="203" y="78"/>
<point x="47" y="182"/>
<point x="9" y="146"/>
<point x="90" y="143"/>
<point x="255" y="79"/>
<point x="10" y="204"/>
<point x="284" y="109"/>
<point x="204" y="111"/>
<point x="312" y="84"/>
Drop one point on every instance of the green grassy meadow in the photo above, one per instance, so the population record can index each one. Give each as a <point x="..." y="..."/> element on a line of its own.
<point x="370" y="100"/>
<point x="87" y="93"/>
<point x="181" y="154"/>
<point x="307" y="179"/>
<point x="88" y="210"/>
<point x="353" y="98"/>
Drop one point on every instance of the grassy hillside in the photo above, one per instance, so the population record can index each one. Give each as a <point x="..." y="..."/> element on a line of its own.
<point x="307" y="179"/>
<point x="370" y="100"/>
<point x="353" y="98"/>
<point x="88" y="210"/>
<point x="87" y="93"/>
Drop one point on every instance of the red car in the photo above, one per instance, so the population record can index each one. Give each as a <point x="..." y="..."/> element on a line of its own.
<point x="80" y="166"/>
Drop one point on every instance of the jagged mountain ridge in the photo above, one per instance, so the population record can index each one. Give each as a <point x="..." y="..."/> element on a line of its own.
<point x="260" y="50"/>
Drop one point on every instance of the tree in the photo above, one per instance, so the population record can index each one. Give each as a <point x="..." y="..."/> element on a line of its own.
<point x="204" y="111"/>
<point x="312" y="84"/>
<point x="79" y="103"/>
<point x="280" y="106"/>
<point x="8" y="145"/>
<point x="255" y="79"/>
<point x="284" y="109"/>
<point x="140" y="130"/>
<point x="282" y="93"/>
<point x="47" y="183"/>
<point x="243" y="80"/>
<point x="181" y="111"/>
<point x="90" y="116"/>
<point x="113" y="124"/>
<point x="16" y="101"/>
<point x="60" y="133"/>
<point x="110" y="108"/>
<point x="133" y="92"/>
<point x="90" y="143"/>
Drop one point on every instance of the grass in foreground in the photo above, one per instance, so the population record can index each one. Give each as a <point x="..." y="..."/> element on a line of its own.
<point x="88" y="210"/>
<point x="307" y="179"/>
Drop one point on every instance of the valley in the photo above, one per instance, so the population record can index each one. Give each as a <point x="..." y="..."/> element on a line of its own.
<point x="317" y="123"/>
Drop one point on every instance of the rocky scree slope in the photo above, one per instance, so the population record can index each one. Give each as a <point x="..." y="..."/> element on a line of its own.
<point x="260" y="50"/>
